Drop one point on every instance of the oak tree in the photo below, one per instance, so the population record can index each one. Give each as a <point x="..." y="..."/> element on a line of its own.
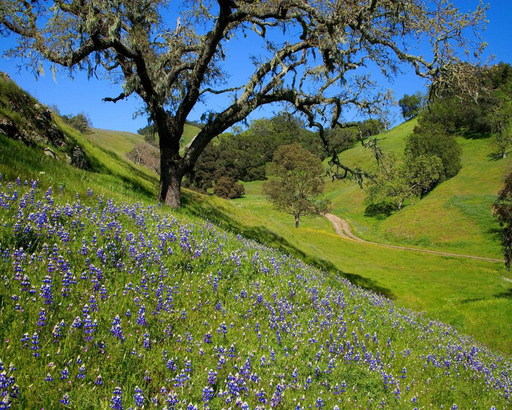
<point x="314" y="56"/>
<point x="296" y="178"/>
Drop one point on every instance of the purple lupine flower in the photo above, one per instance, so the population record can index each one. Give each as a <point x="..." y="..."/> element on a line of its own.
<point x="89" y="327"/>
<point x="35" y="344"/>
<point x="116" y="328"/>
<point x="64" y="373"/>
<point x="212" y="376"/>
<point x="42" y="318"/>
<point x="138" y="397"/>
<point x="116" y="401"/>
<point x="81" y="372"/>
<point x="146" y="342"/>
<point x="208" y="394"/>
<point x="65" y="400"/>
<point x="172" y="399"/>
<point x="171" y="365"/>
<point x="141" y="318"/>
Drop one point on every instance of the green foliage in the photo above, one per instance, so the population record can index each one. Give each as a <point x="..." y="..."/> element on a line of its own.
<point x="80" y="122"/>
<point x="471" y="113"/>
<point x="424" y="172"/>
<point x="501" y="125"/>
<point x="379" y="210"/>
<point x="296" y="177"/>
<point x="390" y="184"/>
<point x="228" y="188"/>
<point x="411" y="105"/>
<point x="150" y="134"/>
<point x="503" y="212"/>
<point x="432" y="140"/>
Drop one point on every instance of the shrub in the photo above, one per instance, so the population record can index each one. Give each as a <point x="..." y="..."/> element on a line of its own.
<point x="229" y="188"/>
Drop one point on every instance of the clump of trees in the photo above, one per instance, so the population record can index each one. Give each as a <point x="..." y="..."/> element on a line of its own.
<point x="81" y="122"/>
<point x="503" y="212"/>
<point x="432" y="153"/>
<point x="244" y="156"/>
<point x="296" y="177"/>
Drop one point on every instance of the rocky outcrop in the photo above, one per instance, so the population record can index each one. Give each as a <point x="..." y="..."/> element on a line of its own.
<point x="25" y="119"/>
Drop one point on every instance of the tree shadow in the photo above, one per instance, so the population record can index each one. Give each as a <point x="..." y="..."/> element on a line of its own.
<point x="504" y="295"/>
<point x="264" y="236"/>
<point x="494" y="156"/>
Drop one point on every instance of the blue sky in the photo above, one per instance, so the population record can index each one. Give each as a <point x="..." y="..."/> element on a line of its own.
<point x="79" y="94"/>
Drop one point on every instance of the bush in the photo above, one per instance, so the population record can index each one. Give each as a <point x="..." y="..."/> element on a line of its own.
<point x="380" y="210"/>
<point x="229" y="188"/>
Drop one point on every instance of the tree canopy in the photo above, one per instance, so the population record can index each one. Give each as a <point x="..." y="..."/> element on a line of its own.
<point x="313" y="56"/>
<point x="296" y="177"/>
<point x="411" y="105"/>
<point x="503" y="212"/>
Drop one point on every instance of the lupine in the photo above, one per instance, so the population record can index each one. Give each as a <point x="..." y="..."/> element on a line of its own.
<point x="116" y="401"/>
<point x="65" y="400"/>
<point x="35" y="344"/>
<point x="138" y="397"/>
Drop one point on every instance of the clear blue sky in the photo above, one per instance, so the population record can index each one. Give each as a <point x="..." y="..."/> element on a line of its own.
<point x="77" y="95"/>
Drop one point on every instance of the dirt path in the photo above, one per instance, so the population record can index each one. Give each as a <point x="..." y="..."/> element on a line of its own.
<point x="343" y="229"/>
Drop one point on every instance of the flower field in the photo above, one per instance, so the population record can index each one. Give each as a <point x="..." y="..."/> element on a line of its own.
<point x="120" y="305"/>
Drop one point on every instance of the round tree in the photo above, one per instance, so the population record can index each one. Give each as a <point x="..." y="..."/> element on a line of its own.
<point x="296" y="178"/>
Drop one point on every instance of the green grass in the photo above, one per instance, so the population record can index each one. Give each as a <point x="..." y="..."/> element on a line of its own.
<point x="463" y="203"/>
<point x="475" y="296"/>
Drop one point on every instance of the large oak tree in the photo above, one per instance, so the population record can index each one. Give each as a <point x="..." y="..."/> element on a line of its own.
<point x="315" y="56"/>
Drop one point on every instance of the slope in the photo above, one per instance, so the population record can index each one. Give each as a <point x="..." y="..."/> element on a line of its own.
<point x="456" y="216"/>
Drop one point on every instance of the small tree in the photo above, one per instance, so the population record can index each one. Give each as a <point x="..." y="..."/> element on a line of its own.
<point x="503" y="211"/>
<point x="411" y="105"/>
<point x="229" y="188"/>
<point x="430" y="139"/>
<point x="297" y="176"/>
<point x="501" y="126"/>
<point x="390" y="184"/>
<point x="80" y="122"/>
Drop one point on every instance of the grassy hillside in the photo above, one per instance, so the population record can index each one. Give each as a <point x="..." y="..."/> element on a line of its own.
<point x="109" y="303"/>
<point x="121" y="143"/>
<point x="464" y="203"/>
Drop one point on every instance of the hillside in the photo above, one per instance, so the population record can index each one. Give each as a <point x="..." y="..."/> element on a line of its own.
<point x="116" y="303"/>
<point x="464" y="203"/>
<point x="109" y="300"/>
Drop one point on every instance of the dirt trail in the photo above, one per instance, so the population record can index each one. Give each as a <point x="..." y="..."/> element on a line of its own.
<point x="343" y="229"/>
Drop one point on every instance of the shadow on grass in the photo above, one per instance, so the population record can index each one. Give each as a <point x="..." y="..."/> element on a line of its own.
<point x="495" y="156"/>
<point x="264" y="236"/>
<point x="504" y="295"/>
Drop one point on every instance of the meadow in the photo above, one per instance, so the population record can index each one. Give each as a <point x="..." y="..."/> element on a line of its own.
<point x="109" y="303"/>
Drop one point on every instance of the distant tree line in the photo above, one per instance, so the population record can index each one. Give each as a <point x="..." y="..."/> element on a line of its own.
<point x="244" y="156"/>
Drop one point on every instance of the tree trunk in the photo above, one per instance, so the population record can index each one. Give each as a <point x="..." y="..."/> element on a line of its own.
<point x="297" y="220"/>
<point x="170" y="183"/>
<point x="171" y="164"/>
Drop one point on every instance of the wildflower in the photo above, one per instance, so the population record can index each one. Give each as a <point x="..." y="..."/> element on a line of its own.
<point x="116" y="401"/>
<point x="138" y="397"/>
<point x="65" y="399"/>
